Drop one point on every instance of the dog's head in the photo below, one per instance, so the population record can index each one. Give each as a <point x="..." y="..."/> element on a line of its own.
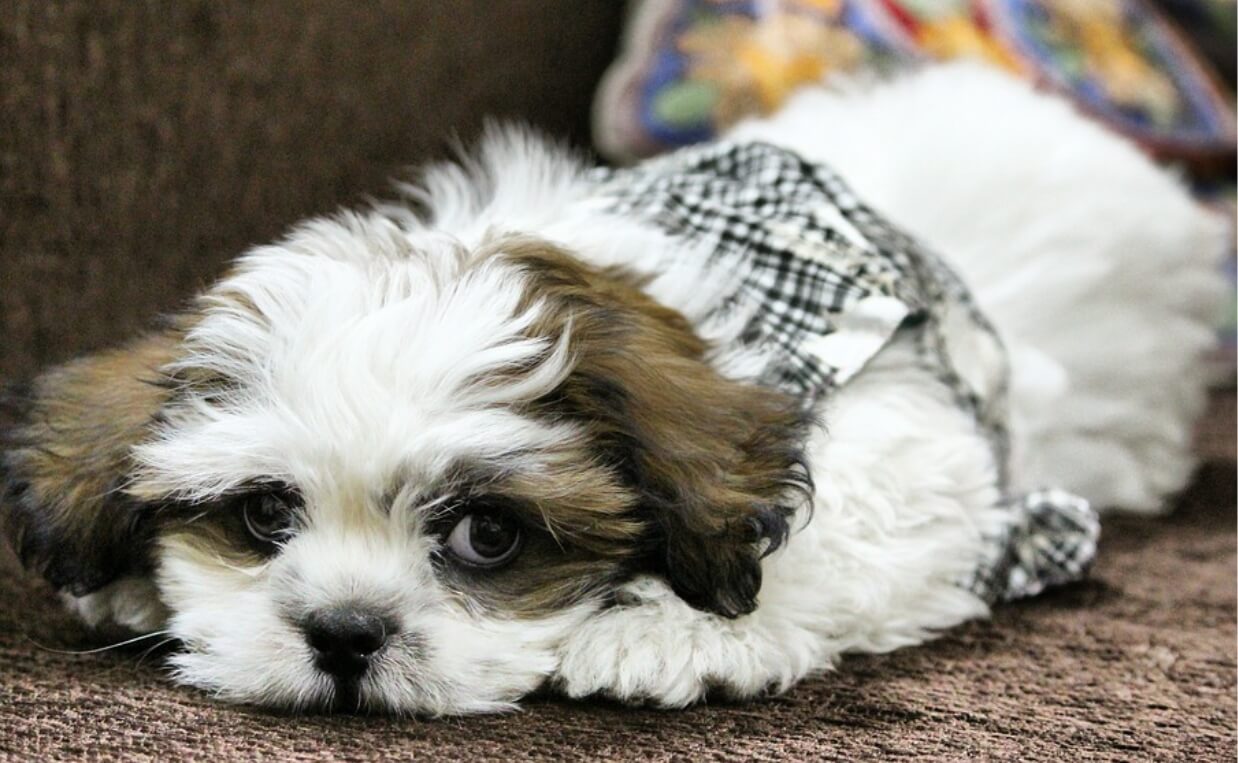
<point x="390" y="465"/>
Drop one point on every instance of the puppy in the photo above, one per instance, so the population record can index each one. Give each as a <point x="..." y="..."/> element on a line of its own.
<point x="705" y="424"/>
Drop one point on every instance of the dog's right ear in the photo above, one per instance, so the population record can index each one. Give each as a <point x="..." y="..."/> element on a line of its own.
<point x="67" y="442"/>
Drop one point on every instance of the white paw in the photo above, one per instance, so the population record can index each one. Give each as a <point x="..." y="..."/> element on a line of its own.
<point x="129" y="602"/>
<point x="653" y="648"/>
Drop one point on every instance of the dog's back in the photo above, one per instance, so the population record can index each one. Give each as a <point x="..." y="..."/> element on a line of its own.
<point x="1097" y="266"/>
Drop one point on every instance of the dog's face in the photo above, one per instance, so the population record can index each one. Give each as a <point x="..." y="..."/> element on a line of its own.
<point x="376" y="468"/>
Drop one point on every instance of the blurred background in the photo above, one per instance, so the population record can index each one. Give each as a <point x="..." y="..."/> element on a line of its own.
<point x="143" y="143"/>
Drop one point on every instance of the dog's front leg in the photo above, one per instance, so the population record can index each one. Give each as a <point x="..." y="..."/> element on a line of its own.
<point x="653" y="648"/>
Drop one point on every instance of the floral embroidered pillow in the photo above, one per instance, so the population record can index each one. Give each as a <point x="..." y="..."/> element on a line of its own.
<point x="692" y="67"/>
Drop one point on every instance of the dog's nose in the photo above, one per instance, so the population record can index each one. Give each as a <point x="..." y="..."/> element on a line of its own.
<point x="343" y="639"/>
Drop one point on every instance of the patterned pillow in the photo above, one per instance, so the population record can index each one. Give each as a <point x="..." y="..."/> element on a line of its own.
<point x="694" y="66"/>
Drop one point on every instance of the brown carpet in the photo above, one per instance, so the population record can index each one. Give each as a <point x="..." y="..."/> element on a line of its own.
<point x="143" y="142"/>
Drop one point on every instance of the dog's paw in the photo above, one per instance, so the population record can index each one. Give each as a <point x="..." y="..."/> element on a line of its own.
<point x="132" y="603"/>
<point x="653" y="649"/>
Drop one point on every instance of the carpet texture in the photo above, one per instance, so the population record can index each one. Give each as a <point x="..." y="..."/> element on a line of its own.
<point x="144" y="143"/>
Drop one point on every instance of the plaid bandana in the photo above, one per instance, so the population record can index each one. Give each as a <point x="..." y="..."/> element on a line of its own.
<point x="825" y="284"/>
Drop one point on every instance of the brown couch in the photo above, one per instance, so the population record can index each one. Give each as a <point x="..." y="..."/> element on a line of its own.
<point x="144" y="143"/>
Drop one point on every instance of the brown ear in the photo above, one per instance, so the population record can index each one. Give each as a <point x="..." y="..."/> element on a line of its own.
<point x="717" y="465"/>
<point x="66" y="455"/>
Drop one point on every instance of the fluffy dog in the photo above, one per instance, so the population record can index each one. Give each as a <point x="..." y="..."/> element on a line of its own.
<point x="431" y="456"/>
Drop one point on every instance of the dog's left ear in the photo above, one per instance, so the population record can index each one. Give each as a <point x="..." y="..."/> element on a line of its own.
<point x="718" y="468"/>
<point x="66" y="444"/>
<point x="716" y="464"/>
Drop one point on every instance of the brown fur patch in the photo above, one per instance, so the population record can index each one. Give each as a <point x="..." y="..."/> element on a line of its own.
<point x="214" y="534"/>
<point x="66" y="457"/>
<point x="578" y="526"/>
<point x="712" y="463"/>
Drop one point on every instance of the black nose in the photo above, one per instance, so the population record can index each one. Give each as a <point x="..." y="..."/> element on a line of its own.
<point x="343" y="639"/>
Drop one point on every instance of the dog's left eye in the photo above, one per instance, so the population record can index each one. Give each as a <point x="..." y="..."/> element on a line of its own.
<point x="485" y="538"/>
<point x="268" y="515"/>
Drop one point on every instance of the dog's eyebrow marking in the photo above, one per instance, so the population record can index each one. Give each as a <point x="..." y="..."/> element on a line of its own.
<point x="471" y="476"/>
<point x="174" y="506"/>
<point x="462" y="480"/>
<point x="471" y="482"/>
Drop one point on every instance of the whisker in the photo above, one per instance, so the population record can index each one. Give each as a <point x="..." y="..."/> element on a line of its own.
<point x="147" y="652"/>
<point x="96" y="650"/>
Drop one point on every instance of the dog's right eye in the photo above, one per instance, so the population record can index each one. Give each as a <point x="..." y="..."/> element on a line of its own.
<point x="268" y="515"/>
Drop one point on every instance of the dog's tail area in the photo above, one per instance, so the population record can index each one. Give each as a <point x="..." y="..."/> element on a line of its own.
<point x="1098" y="268"/>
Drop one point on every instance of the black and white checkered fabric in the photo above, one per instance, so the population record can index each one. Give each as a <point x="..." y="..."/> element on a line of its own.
<point x="1050" y="540"/>
<point x="827" y="283"/>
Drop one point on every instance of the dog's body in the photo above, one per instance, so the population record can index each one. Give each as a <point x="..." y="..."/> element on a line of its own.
<point x="354" y="367"/>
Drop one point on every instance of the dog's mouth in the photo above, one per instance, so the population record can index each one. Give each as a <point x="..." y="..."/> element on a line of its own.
<point x="346" y="697"/>
<point x="351" y="681"/>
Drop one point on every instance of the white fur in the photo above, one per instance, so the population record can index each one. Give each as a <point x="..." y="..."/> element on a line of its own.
<point x="1094" y="264"/>
<point x="1097" y="267"/>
